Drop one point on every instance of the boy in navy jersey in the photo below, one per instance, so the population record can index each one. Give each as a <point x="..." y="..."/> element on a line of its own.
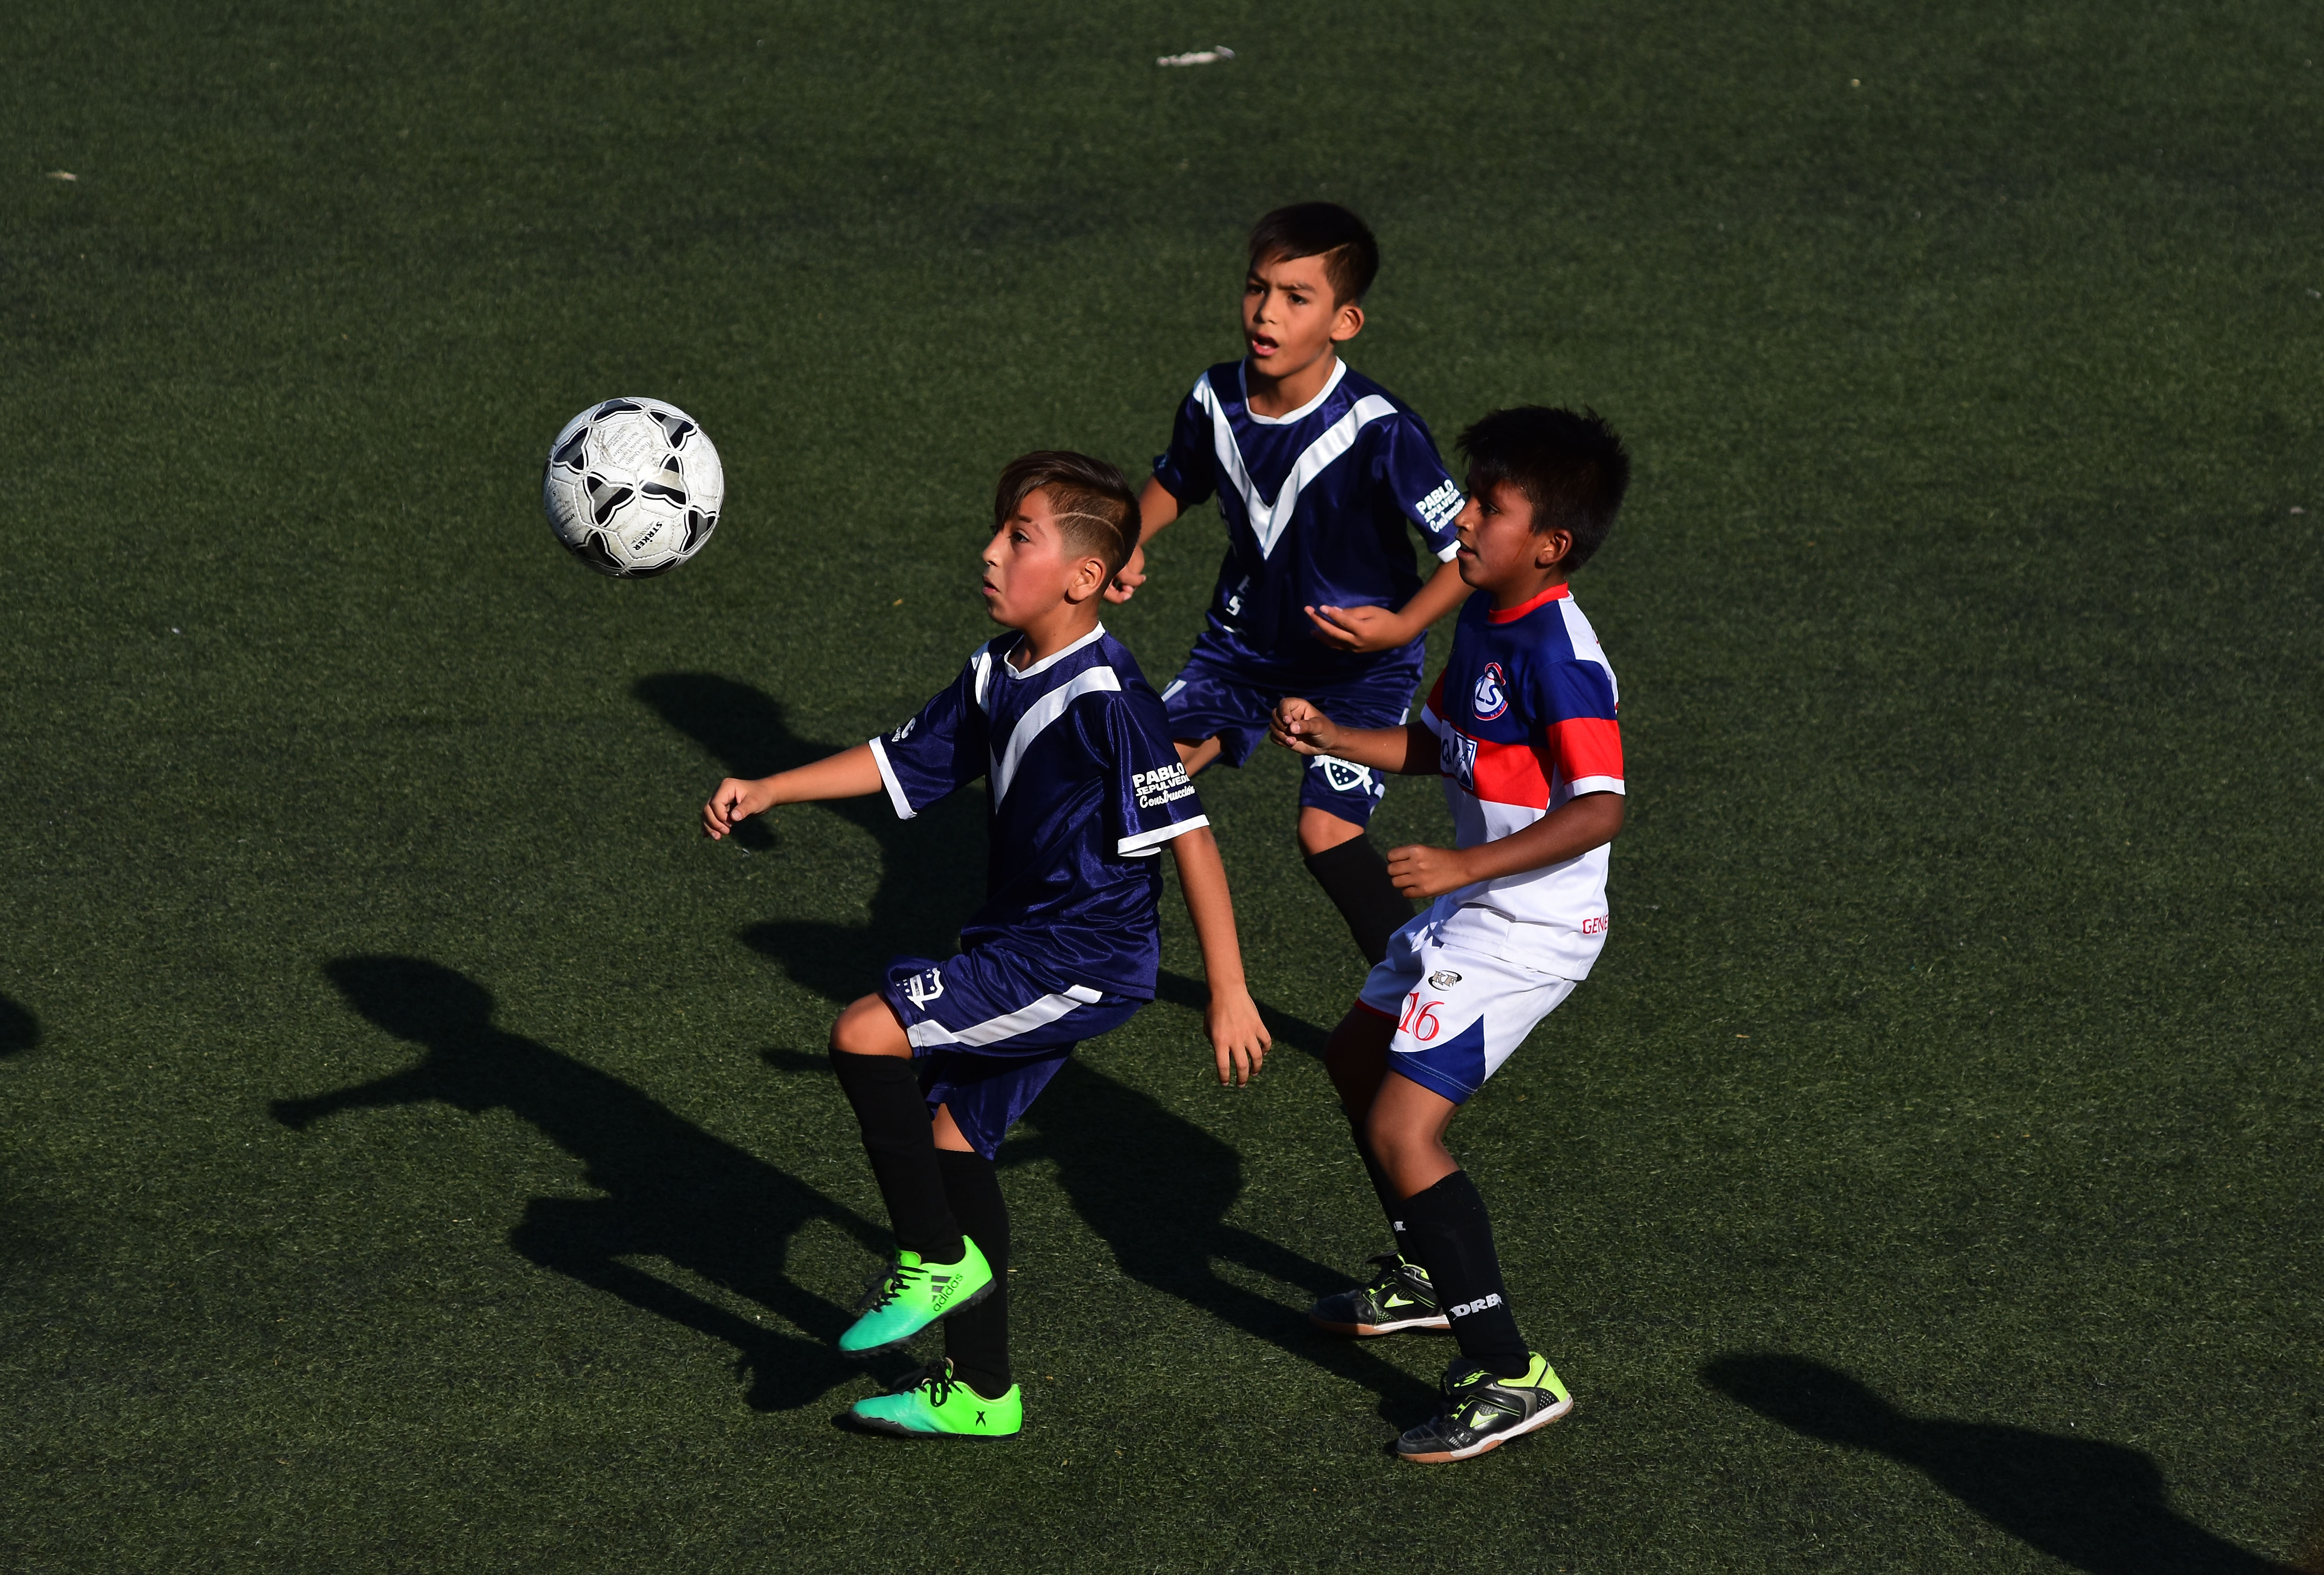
<point x="1086" y="791"/>
<point x="1521" y="725"/>
<point x="1318" y="471"/>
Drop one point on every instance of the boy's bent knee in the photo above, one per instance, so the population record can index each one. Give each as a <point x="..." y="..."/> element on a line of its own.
<point x="1406" y="1129"/>
<point x="868" y="1027"/>
<point x="1321" y="831"/>
<point x="1412" y="1155"/>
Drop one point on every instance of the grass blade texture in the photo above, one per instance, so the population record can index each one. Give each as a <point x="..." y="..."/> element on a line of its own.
<point x="417" y="1151"/>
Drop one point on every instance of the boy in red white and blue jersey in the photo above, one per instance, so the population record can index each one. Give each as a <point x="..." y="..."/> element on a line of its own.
<point x="1523" y="715"/>
<point x="1522" y="726"/>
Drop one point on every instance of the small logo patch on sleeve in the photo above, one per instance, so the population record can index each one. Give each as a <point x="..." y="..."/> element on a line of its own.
<point x="1441" y="507"/>
<point x="1161" y="786"/>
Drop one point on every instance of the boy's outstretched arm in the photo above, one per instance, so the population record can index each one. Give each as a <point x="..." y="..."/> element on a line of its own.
<point x="1409" y="751"/>
<point x="1362" y="629"/>
<point x="1567" y="832"/>
<point x="849" y="774"/>
<point x="1238" y="1037"/>
<point x="1157" y="507"/>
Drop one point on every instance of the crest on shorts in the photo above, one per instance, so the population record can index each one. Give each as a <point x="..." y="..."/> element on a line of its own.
<point x="1444" y="978"/>
<point x="924" y="987"/>
<point x="1345" y="776"/>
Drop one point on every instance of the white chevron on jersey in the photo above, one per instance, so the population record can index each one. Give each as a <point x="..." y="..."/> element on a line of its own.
<point x="1268" y="519"/>
<point x="1039" y="715"/>
<point x="1042" y="712"/>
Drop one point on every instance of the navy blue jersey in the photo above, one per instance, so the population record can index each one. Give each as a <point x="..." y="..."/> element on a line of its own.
<point x="1085" y="785"/>
<point x="1315" y="504"/>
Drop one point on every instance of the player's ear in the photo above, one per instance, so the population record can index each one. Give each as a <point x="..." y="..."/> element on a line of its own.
<point x="1089" y="577"/>
<point x="1347" y="323"/>
<point x="1549" y="547"/>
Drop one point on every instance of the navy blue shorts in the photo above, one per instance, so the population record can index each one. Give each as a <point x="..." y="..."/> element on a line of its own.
<point x="988" y="1033"/>
<point x="1222" y="692"/>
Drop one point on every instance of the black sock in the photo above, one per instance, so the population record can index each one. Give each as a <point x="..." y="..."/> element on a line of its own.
<point x="902" y="1146"/>
<point x="1354" y="875"/>
<point x="977" y="1339"/>
<point x="1385" y="1190"/>
<point x="1447" y="1223"/>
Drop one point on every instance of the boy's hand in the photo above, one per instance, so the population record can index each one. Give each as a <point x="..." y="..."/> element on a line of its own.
<point x="735" y="801"/>
<point x="1360" y="629"/>
<point x="1299" y="727"/>
<point x="1132" y="575"/>
<point x="1421" y="871"/>
<point x="1237" y="1037"/>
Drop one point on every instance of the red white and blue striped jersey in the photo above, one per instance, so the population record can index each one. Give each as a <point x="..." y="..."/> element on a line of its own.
<point x="1525" y="717"/>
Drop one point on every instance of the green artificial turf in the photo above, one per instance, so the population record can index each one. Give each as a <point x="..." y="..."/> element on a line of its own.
<point x="417" y="1153"/>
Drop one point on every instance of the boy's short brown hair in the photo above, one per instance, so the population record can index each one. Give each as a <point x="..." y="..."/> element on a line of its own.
<point x="1320" y="229"/>
<point x="1097" y="513"/>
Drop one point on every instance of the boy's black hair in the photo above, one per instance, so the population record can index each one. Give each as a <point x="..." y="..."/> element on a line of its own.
<point x="1572" y="469"/>
<point x="1321" y="229"/>
<point x="1097" y="513"/>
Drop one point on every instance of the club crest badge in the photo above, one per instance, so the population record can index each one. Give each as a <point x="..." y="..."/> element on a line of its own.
<point x="1444" y="978"/>
<point x="924" y="987"/>
<point x="1491" y="696"/>
<point x="1344" y="777"/>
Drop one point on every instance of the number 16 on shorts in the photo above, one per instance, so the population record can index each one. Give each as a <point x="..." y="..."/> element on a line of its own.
<point x="1459" y="1016"/>
<point x="1419" y="1022"/>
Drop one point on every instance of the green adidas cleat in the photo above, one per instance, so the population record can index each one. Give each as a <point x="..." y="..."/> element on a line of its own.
<point x="931" y="1403"/>
<point x="1482" y="1412"/>
<point x="911" y="1294"/>
<point x="1399" y="1297"/>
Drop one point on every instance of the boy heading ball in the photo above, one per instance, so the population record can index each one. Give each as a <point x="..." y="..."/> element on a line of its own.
<point x="1086" y="790"/>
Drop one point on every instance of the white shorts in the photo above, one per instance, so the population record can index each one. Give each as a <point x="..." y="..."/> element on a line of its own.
<point x="1458" y="1013"/>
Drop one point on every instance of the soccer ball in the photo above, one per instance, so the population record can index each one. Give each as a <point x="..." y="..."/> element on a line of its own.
<point x="632" y="487"/>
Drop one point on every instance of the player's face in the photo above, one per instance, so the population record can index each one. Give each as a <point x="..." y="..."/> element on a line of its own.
<point x="1289" y="318"/>
<point x="1501" y="551"/>
<point x="1030" y="570"/>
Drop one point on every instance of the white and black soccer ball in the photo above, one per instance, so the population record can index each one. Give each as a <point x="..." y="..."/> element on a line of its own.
<point x="633" y="487"/>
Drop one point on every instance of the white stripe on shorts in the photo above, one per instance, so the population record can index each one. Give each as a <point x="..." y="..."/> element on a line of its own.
<point x="1042" y="1012"/>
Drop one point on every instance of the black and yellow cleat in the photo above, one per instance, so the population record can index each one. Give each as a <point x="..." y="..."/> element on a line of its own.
<point x="1482" y="1412"/>
<point x="1399" y="1298"/>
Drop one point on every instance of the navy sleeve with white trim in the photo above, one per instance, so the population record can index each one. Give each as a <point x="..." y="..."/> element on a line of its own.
<point x="1153" y="801"/>
<point x="1404" y="465"/>
<point x="1189" y="471"/>
<point x="943" y="749"/>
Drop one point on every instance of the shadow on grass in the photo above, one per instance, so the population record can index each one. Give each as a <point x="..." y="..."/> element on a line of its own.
<point x="1297" y="1033"/>
<point x="676" y="1192"/>
<point x="1155" y="1187"/>
<point x="20" y="1030"/>
<point x="934" y="868"/>
<point x="1158" y="1189"/>
<point x="2096" y="1507"/>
